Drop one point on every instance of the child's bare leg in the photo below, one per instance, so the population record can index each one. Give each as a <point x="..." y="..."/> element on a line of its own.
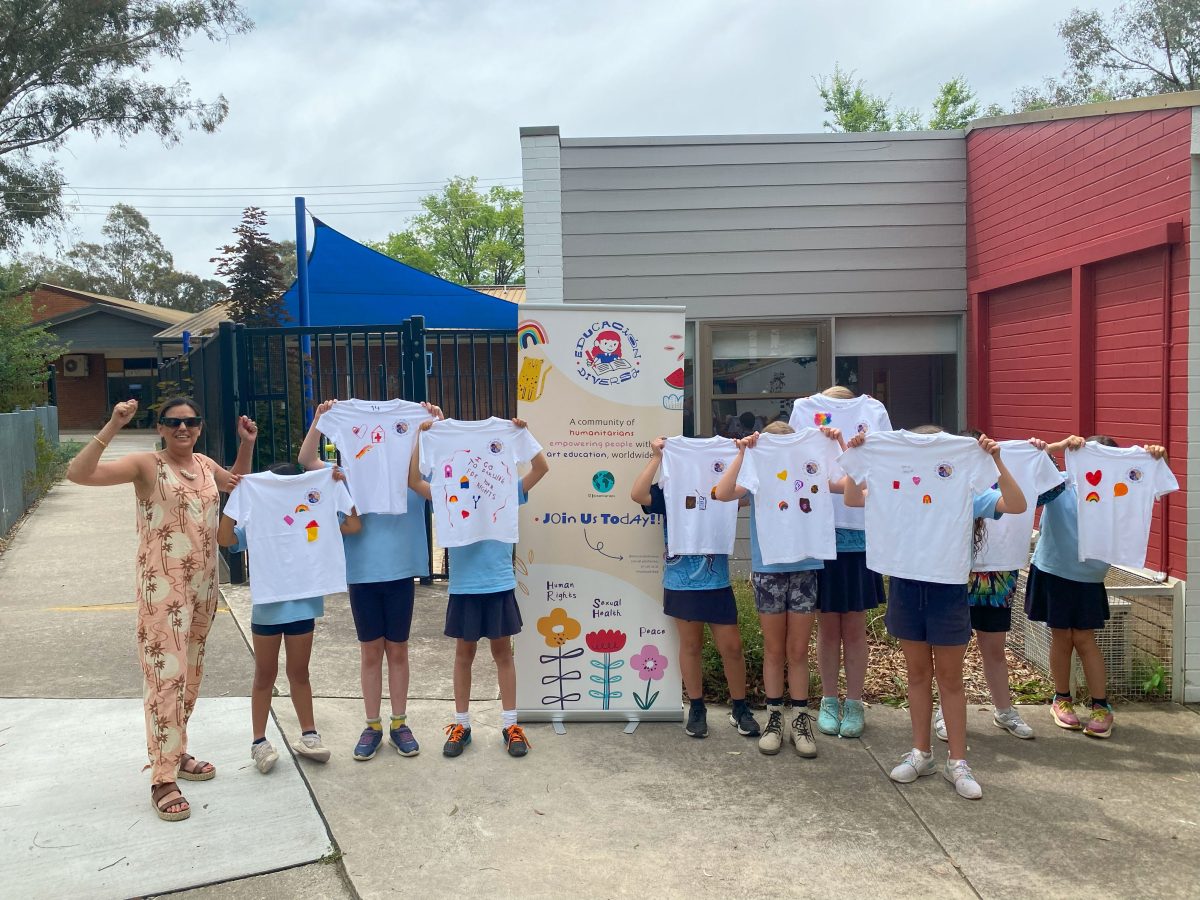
<point x="1084" y="641"/>
<point x="729" y="644"/>
<point x="397" y="657"/>
<point x="370" y="674"/>
<point x="266" y="668"/>
<point x="948" y="666"/>
<point x="856" y="651"/>
<point x="691" y="640"/>
<point x="299" y="651"/>
<point x="506" y="671"/>
<point x="1061" y="646"/>
<point x="464" y="658"/>
<point x="775" y="651"/>
<point x="995" y="667"/>
<point x="829" y="652"/>
<point x="918" y="657"/>
<point x="799" y="637"/>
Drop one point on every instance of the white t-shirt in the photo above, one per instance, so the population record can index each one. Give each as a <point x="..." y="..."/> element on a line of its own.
<point x="1116" y="488"/>
<point x="472" y="468"/>
<point x="788" y="474"/>
<point x="292" y="533"/>
<point x="698" y="524"/>
<point x="375" y="441"/>
<point x="863" y="415"/>
<point x="1006" y="540"/>
<point x="919" y="502"/>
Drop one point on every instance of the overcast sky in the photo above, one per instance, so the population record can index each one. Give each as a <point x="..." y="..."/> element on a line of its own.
<point x="410" y="92"/>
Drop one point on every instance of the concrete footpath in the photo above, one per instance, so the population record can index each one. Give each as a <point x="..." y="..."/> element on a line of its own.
<point x="592" y="813"/>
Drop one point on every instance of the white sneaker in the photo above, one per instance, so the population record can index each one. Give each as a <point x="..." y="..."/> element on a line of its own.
<point x="310" y="747"/>
<point x="964" y="782"/>
<point x="939" y="725"/>
<point x="1010" y="720"/>
<point x="264" y="756"/>
<point x="802" y="734"/>
<point x="914" y="765"/>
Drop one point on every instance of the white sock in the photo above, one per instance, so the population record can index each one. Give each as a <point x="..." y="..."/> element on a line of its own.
<point x="923" y="753"/>
<point x="508" y="718"/>
<point x="954" y="762"/>
<point x="463" y="719"/>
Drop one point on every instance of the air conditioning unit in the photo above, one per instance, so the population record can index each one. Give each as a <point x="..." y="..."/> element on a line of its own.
<point x="75" y="365"/>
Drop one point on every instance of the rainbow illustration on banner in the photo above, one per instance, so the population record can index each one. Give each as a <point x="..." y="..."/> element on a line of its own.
<point x="530" y="333"/>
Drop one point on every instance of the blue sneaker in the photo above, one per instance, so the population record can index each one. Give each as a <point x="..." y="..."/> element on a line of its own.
<point x="368" y="743"/>
<point x="853" y="719"/>
<point x="829" y="717"/>
<point x="404" y="742"/>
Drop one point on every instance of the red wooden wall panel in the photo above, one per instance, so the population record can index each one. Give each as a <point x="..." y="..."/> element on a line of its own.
<point x="1038" y="191"/>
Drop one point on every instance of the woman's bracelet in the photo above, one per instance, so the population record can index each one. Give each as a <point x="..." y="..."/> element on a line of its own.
<point x="103" y="444"/>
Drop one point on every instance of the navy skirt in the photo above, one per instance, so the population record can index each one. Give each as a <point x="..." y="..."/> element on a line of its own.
<point x="1063" y="602"/>
<point x="471" y="617"/>
<point x="716" y="606"/>
<point x="846" y="584"/>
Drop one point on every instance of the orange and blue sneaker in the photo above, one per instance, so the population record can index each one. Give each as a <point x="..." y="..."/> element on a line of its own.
<point x="457" y="738"/>
<point x="515" y="740"/>
<point x="1100" y="725"/>
<point x="1063" y="710"/>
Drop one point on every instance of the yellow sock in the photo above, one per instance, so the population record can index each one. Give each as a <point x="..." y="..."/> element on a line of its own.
<point x="377" y="724"/>
<point x="398" y="720"/>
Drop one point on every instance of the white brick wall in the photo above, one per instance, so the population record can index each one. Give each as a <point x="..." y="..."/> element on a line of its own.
<point x="542" y="184"/>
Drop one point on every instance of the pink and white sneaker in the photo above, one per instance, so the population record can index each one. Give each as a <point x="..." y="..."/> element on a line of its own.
<point x="1100" y="725"/>
<point x="1064" y="714"/>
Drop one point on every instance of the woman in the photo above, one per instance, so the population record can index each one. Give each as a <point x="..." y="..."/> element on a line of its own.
<point x="177" y="506"/>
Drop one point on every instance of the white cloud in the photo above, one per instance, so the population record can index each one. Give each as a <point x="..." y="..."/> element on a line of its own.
<point x="367" y="91"/>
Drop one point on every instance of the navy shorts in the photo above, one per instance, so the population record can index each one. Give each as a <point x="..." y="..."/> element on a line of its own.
<point x="288" y="629"/>
<point x="472" y="617"/>
<point x="935" y="614"/>
<point x="715" y="606"/>
<point x="985" y="617"/>
<point x="1065" y="603"/>
<point x="382" y="609"/>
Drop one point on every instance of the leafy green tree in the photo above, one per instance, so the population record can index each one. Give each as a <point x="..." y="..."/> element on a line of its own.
<point x="26" y="350"/>
<point x="129" y="262"/>
<point x="254" y="271"/>
<point x="80" y="65"/>
<point x="465" y="235"/>
<point x="1144" y="47"/>
<point x="854" y="108"/>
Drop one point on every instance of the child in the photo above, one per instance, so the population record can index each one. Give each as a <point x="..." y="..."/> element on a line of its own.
<point x="785" y="595"/>
<point x="1069" y="596"/>
<point x="382" y="559"/>
<point x="930" y="618"/>
<point x="846" y="588"/>
<point x="989" y="594"/>
<point x="482" y="604"/>
<point x="696" y="590"/>
<point x="290" y="622"/>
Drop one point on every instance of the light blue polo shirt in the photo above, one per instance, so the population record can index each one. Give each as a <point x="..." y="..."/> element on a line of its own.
<point x="484" y="567"/>
<point x="1058" y="544"/>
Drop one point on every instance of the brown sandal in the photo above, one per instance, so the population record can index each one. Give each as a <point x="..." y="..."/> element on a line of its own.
<point x="196" y="773"/>
<point x="159" y="800"/>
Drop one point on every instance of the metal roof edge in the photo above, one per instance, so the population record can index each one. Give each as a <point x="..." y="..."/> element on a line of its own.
<point x="1179" y="100"/>
<point x="808" y="138"/>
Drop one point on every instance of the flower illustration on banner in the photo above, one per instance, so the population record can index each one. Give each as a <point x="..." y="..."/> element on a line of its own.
<point x="558" y="628"/>
<point x="606" y="642"/>
<point x="650" y="665"/>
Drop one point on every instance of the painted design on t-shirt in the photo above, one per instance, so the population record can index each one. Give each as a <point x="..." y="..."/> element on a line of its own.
<point x="1120" y="489"/>
<point x="1094" y="478"/>
<point x="822" y="418"/>
<point x="482" y="480"/>
<point x="862" y="427"/>
<point x="1134" y="475"/>
<point x="812" y="467"/>
<point x="1092" y="497"/>
<point x="496" y="447"/>
<point x="945" y="470"/>
<point x="926" y="500"/>
<point x="718" y="467"/>
<point x="377" y="435"/>
<point x="314" y="497"/>
<point x="782" y="476"/>
<point x="312" y="528"/>
<point x="363" y="452"/>
<point x="805" y="506"/>
<point x="783" y="504"/>
<point x="401" y="427"/>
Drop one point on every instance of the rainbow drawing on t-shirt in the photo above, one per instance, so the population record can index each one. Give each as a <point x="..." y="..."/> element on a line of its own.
<point x="927" y="500"/>
<point x="300" y="507"/>
<point x="822" y="418"/>
<point x="1092" y="497"/>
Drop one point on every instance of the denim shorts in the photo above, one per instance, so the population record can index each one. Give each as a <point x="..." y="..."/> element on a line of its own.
<point x="780" y="592"/>
<point x="935" y="614"/>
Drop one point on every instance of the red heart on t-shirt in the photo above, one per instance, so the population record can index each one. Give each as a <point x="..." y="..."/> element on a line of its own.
<point x="465" y="514"/>
<point x="1094" y="477"/>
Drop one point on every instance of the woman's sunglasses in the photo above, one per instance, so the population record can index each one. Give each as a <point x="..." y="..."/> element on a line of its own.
<point x="189" y="421"/>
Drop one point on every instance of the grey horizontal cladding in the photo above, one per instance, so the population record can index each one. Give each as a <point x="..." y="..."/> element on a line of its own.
<point x="841" y="171"/>
<point x="717" y="263"/>
<point x="585" y="154"/>
<point x="750" y="284"/>
<point x="763" y="196"/>
<point x="763" y="218"/>
<point x="791" y="305"/>
<point x="102" y="332"/>
<point x="748" y="239"/>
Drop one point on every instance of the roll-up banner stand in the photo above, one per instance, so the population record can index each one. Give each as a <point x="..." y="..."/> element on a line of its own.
<point x="596" y="384"/>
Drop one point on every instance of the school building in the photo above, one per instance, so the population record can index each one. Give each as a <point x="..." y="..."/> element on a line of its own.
<point x="1030" y="275"/>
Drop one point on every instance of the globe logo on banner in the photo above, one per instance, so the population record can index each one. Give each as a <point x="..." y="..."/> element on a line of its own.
<point x="603" y="481"/>
<point x="607" y="353"/>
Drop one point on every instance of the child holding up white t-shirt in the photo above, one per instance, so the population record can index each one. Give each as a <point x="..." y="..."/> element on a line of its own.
<point x="917" y="482"/>
<point x="1067" y="591"/>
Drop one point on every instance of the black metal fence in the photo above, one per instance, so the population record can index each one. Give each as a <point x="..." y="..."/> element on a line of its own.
<point x="278" y="375"/>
